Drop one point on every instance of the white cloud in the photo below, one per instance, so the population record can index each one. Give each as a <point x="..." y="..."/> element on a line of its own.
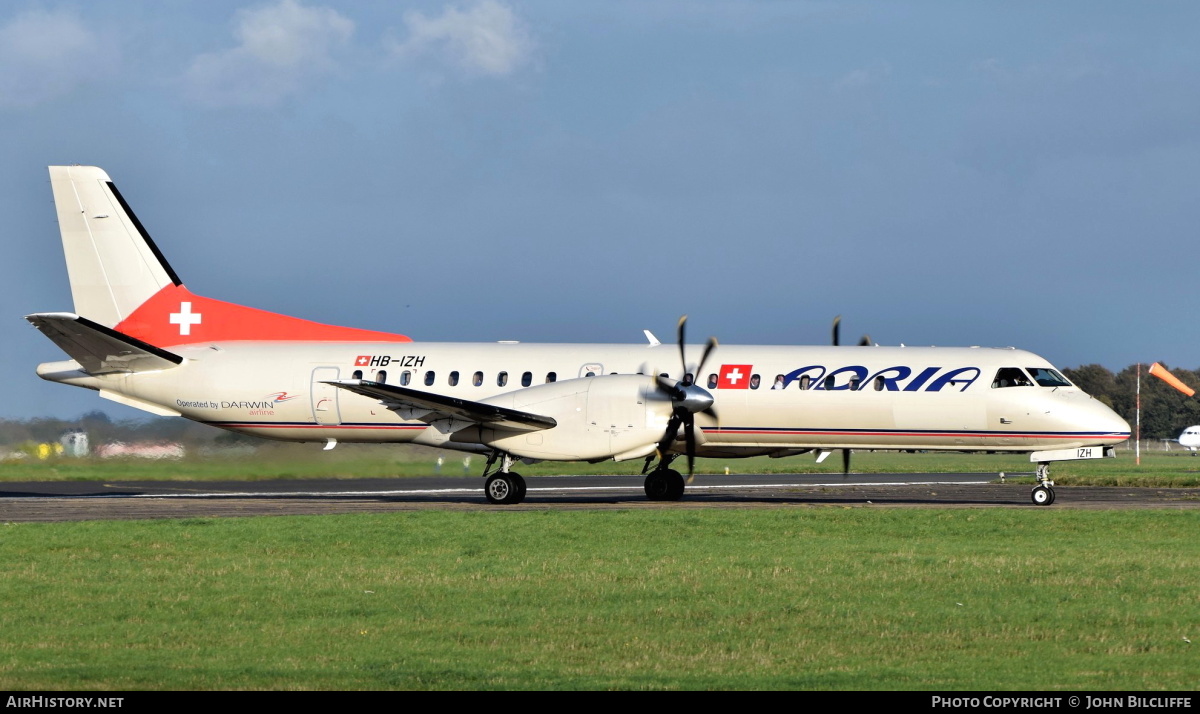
<point x="48" y="54"/>
<point x="864" y="76"/>
<point x="487" y="38"/>
<point x="280" y="47"/>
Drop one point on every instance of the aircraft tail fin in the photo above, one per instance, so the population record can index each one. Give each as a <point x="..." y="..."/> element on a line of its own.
<point x="113" y="264"/>
<point x="120" y="280"/>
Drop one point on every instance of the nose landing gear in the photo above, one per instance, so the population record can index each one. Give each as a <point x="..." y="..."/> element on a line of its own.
<point x="1043" y="493"/>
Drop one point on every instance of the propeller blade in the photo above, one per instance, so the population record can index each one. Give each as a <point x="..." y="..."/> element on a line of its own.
<point x="837" y="329"/>
<point x="669" y="434"/>
<point x="689" y="430"/>
<point x="708" y="350"/>
<point x="670" y="387"/>
<point x="679" y="332"/>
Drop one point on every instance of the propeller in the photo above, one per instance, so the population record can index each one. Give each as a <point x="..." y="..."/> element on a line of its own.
<point x="865" y="341"/>
<point x="687" y="399"/>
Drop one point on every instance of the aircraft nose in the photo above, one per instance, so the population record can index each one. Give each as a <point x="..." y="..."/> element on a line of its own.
<point x="1105" y="423"/>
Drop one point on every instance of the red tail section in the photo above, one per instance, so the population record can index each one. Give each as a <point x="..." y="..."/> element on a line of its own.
<point x="174" y="316"/>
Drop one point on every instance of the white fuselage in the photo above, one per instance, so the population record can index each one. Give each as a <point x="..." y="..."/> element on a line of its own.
<point x="902" y="397"/>
<point x="1190" y="438"/>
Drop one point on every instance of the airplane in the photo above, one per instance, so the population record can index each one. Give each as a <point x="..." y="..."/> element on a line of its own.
<point x="139" y="337"/>
<point x="1190" y="439"/>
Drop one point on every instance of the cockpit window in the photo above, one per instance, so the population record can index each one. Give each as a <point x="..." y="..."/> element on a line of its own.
<point x="1011" y="377"/>
<point x="1048" y="377"/>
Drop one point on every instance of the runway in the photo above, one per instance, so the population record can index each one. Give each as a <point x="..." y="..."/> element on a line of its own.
<point x="115" y="500"/>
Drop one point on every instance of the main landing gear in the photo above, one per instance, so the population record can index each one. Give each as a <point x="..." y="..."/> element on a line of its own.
<point x="663" y="484"/>
<point x="503" y="486"/>
<point x="1043" y="493"/>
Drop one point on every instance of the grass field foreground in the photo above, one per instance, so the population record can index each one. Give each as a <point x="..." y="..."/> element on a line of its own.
<point x="795" y="598"/>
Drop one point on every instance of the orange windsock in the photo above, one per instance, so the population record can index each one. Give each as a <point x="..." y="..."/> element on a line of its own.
<point x="1159" y="371"/>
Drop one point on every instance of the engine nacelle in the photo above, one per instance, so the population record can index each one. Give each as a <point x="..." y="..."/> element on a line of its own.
<point x="618" y="416"/>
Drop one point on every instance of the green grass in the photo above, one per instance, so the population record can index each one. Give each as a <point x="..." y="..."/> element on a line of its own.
<point x="795" y="598"/>
<point x="1158" y="469"/>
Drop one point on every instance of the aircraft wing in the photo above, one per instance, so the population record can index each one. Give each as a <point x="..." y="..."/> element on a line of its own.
<point x="427" y="407"/>
<point x="99" y="349"/>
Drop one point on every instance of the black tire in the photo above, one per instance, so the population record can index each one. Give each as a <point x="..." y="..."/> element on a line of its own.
<point x="519" y="484"/>
<point x="499" y="488"/>
<point x="1042" y="496"/>
<point x="656" y="486"/>
<point x="664" y="485"/>
<point x="675" y="485"/>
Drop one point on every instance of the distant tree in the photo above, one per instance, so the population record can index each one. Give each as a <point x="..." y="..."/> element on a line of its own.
<point x="96" y="417"/>
<point x="1094" y="379"/>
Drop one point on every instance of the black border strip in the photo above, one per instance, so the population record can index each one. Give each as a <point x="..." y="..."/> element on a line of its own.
<point x="145" y="236"/>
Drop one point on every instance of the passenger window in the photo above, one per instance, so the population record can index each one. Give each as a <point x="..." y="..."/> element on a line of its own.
<point x="551" y="377"/>
<point x="477" y="380"/>
<point x="778" y="383"/>
<point x="755" y="381"/>
<point x="712" y="381"/>
<point x="806" y="382"/>
<point x="357" y="374"/>
<point x="429" y="378"/>
<point x="502" y="379"/>
<point x="688" y="379"/>
<point x="854" y="382"/>
<point x="526" y="379"/>
<point x="879" y="384"/>
<point x="404" y="377"/>
<point x="381" y="376"/>
<point x="1010" y="377"/>
<point x="829" y="382"/>
<point x="454" y="379"/>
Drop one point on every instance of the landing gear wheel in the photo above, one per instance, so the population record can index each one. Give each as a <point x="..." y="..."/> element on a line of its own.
<point x="520" y="484"/>
<point x="1043" y="493"/>
<point x="504" y="488"/>
<point x="664" y="485"/>
<point x="1043" y="496"/>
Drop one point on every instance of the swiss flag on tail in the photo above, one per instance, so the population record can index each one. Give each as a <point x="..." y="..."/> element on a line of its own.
<point x="174" y="316"/>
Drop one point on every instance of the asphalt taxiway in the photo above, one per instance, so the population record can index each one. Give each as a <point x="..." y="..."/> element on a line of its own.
<point x="94" y="500"/>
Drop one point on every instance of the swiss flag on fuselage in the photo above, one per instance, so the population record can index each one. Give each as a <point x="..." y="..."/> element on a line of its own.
<point x="734" y="376"/>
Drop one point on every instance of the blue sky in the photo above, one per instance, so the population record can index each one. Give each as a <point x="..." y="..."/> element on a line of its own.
<point x="958" y="173"/>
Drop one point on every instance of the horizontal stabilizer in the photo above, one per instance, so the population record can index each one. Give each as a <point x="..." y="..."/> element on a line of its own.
<point x="99" y="349"/>
<point x="437" y="406"/>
